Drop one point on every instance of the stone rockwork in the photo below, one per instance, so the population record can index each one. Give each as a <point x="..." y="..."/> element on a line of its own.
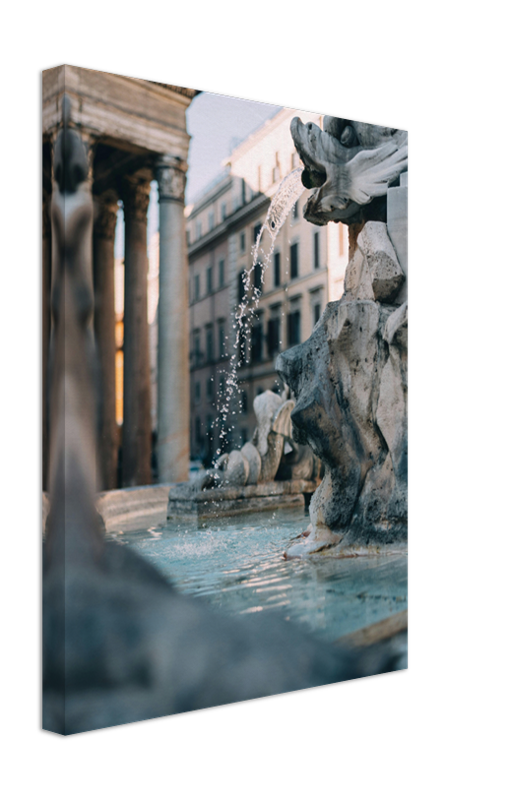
<point x="350" y="377"/>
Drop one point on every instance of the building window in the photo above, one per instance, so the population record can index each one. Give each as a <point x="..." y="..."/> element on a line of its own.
<point x="209" y="280"/>
<point x="221" y="273"/>
<point x="188" y="237"/>
<point x="243" y="435"/>
<point x="293" y="328"/>
<point x="257" y="279"/>
<point x="242" y="242"/>
<point x="197" y="391"/>
<point x="223" y="211"/>
<point x="257" y="342"/>
<point x="196" y="287"/>
<point x="222" y="386"/>
<point x="256" y="231"/>
<point x="209" y="344"/>
<point x="316" y="244"/>
<point x="295" y="211"/>
<point x="222" y="339"/>
<point x="196" y="346"/>
<point x="211" y="220"/>
<point x="240" y="286"/>
<point x="210" y="438"/>
<point x="197" y="431"/>
<point x="198" y="228"/>
<point x="242" y="340"/>
<point x="273" y="336"/>
<point x="277" y="269"/>
<point x="243" y="402"/>
<point x="210" y="389"/>
<point x="317" y="311"/>
<point x="294" y="260"/>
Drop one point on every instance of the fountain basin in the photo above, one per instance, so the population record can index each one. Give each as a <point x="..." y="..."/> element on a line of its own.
<point x="186" y="505"/>
<point x="236" y="565"/>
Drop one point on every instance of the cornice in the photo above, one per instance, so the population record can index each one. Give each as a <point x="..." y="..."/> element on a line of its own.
<point x="191" y="93"/>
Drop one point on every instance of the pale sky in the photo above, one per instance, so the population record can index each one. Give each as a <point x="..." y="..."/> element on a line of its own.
<point x="217" y="124"/>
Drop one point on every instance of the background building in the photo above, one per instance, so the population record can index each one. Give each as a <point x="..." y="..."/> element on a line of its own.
<point x="304" y="273"/>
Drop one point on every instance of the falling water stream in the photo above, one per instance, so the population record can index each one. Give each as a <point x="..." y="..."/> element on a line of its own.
<point x="288" y="193"/>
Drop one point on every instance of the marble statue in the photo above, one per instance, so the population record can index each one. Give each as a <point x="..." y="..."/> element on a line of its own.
<point x="349" y="164"/>
<point x="272" y="448"/>
<point x="349" y="378"/>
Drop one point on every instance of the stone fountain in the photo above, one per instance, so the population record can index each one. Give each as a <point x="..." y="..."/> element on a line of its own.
<point x="349" y="378"/>
<point x="120" y="644"/>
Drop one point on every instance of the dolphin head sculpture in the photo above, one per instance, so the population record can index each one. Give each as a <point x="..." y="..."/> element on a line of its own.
<point x="348" y="164"/>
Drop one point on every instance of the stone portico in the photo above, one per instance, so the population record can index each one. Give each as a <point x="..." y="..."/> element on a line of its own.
<point x="136" y="132"/>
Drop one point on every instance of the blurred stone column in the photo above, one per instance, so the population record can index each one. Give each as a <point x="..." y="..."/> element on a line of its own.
<point x="136" y="433"/>
<point x="173" y="326"/>
<point x="105" y="220"/>
<point x="46" y="327"/>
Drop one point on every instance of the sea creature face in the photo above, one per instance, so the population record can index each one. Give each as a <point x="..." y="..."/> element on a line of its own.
<point x="348" y="164"/>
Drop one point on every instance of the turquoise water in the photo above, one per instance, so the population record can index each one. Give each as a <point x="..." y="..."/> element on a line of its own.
<point x="238" y="566"/>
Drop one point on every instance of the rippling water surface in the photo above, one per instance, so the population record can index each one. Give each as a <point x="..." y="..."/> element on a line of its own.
<point x="237" y="565"/>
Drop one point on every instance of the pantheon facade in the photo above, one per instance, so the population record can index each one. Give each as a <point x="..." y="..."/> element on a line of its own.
<point x="135" y="132"/>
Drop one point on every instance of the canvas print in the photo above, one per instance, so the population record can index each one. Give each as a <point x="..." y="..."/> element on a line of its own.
<point x="224" y="424"/>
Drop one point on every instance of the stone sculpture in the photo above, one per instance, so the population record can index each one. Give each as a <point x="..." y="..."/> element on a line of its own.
<point x="119" y="643"/>
<point x="350" y="377"/>
<point x="350" y="164"/>
<point x="259" y="460"/>
<point x="270" y="471"/>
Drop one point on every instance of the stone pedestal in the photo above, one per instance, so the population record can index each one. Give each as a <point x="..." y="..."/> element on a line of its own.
<point x="106" y="207"/>
<point x="187" y="504"/>
<point x="136" y="436"/>
<point x="173" y="327"/>
<point x="397" y="227"/>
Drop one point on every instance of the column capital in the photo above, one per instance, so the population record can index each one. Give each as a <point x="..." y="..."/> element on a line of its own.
<point x="105" y="214"/>
<point x="171" y="178"/>
<point x="135" y="193"/>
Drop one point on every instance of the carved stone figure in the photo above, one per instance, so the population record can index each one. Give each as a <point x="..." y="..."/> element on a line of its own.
<point x="350" y="164"/>
<point x="259" y="461"/>
<point x="350" y="377"/>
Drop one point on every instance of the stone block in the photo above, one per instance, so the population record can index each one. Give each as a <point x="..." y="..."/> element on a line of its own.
<point x="232" y="501"/>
